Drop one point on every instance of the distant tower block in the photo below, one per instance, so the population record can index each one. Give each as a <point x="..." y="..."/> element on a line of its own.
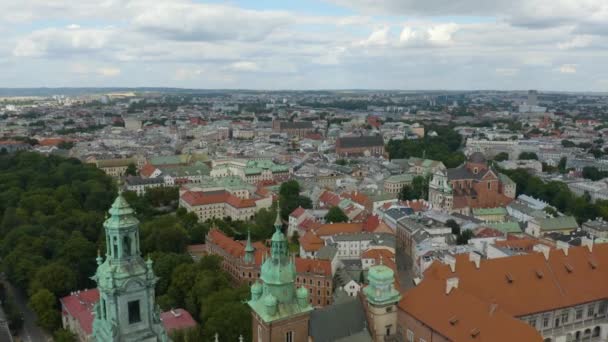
<point x="532" y="98"/>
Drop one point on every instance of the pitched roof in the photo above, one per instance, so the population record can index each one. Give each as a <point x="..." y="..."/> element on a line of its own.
<point x="557" y="223"/>
<point x="177" y="319"/>
<point x="297" y="212"/>
<point x="537" y="284"/>
<point x="196" y="198"/>
<point x="322" y="267"/>
<point x="340" y="320"/>
<point x="462" y="316"/>
<point x="337" y="228"/>
<point x="362" y="141"/>
<point x="310" y="242"/>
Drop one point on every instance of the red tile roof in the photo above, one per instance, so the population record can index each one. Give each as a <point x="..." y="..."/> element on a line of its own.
<point x="147" y="170"/>
<point x="297" y="212"/>
<point x="51" y="141"/>
<point x="177" y="319"/>
<point x="316" y="266"/>
<point x="310" y="242"/>
<point x="371" y="223"/>
<point x="196" y="198"/>
<point x="80" y="306"/>
<point x="329" y="198"/>
<point x="236" y="248"/>
<point x="537" y="285"/>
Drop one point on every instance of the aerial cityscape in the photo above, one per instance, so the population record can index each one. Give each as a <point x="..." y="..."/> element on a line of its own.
<point x="304" y="171"/>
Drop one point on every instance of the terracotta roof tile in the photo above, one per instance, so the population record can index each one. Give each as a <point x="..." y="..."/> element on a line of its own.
<point x="337" y="228"/>
<point x="310" y="242"/>
<point x="316" y="266"/>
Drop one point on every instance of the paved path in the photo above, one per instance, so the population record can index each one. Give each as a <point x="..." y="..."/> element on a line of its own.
<point x="30" y="332"/>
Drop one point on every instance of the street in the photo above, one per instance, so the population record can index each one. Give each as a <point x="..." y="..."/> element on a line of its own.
<point x="30" y="332"/>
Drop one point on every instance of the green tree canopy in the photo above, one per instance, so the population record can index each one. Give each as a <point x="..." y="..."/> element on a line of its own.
<point x="336" y="215"/>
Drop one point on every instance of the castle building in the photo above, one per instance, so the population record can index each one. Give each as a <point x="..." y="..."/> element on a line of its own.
<point x="470" y="186"/>
<point x="360" y="146"/>
<point x="280" y="312"/>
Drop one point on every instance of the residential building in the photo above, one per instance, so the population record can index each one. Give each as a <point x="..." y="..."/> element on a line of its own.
<point x="222" y="204"/>
<point x="541" y="226"/>
<point x="293" y="128"/>
<point x="394" y="184"/>
<point x="598" y="228"/>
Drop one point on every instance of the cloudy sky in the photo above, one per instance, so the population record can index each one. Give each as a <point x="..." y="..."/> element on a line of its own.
<point x="306" y="44"/>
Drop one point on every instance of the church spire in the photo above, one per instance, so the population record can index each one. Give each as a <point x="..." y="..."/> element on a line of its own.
<point x="249" y="250"/>
<point x="278" y="224"/>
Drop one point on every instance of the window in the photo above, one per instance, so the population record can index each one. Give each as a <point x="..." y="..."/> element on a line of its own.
<point x="134" y="312"/>
<point x="565" y="317"/>
<point x="388" y="330"/>
<point x="579" y="313"/>
<point x="410" y="336"/>
<point x="602" y="309"/>
<point x="289" y="336"/>
<point x="591" y="310"/>
<point x="545" y="321"/>
<point x="533" y="322"/>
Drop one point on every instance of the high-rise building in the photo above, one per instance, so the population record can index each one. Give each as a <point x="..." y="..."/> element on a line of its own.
<point x="532" y="98"/>
<point x="125" y="310"/>
<point x="280" y="311"/>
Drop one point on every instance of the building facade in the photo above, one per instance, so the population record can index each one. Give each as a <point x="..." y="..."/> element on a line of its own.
<point x="360" y="146"/>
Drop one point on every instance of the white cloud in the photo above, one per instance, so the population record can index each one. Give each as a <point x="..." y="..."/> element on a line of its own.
<point x="207" y="22"/>
<point x="567" y="69"/>
<point x="428" y="34"/>
<point x="108" y="71"/>
<point x="244" y="66"/>
<point x="576" y="42"/>
<point x="378" y="37"/>
<point x="55" y="41"/>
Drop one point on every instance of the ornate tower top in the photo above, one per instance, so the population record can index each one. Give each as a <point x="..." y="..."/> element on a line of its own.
<point x="381" y="289"/>
<point x="126" y="309"/>
<point x="249" y="250"/>
<point x="276" y="298"/>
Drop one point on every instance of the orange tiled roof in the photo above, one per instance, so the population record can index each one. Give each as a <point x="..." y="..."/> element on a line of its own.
<point x="462" y="315"/>
<point x="50" y="141"/>
<point x="297" y="212"/>
<point x="310" y="242"/>
<point x="147" y="170"/>
<point x="371" y="223"/>
<point x="537" y="284"/>
<point x="322" y="267"/>
<point x="337" y="228"/>
<point x="196" y="198"/>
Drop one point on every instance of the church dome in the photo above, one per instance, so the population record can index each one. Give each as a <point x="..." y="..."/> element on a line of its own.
<point x="380" y="274"/>
<point x="302" y="293"/>
<point x="477" y="157"/>
<point x="270" y="300"/>
<point x="256" y="288"/>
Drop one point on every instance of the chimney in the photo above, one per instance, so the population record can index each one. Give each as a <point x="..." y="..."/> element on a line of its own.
<point x="543" y="249"/>
<point x="587" y="242"/>
<point x="451" y="283"/>
<point x="564" y="246"/>
<point x="475" y="258"/>
<point x="451" y="261"/>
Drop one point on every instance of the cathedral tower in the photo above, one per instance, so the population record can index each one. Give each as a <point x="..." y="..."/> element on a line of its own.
<point x="126" y="311"/>
<point x="382" y="299"/>
<point x="280" y="311"/>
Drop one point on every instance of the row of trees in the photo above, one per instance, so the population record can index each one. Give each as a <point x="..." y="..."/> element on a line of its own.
<point x="442" y="146"/>
<point x="558" y="195"/>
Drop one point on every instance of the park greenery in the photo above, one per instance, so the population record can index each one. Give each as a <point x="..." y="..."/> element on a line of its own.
<point x="52" y="210"/>
<point x="442" y="146"/>
<point x="558" y="195"/>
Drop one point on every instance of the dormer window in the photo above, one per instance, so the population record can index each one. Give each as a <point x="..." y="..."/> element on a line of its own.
<point x="475" y="170"/>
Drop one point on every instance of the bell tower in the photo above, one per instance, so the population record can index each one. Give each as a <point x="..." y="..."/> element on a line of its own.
<point x="126" y="309"/>
<point x="280" y="311"/>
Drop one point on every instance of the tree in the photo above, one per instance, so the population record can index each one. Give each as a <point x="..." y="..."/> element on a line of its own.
<point x="550" y="211"/>
<point x="63" y="335"/>
<point x="528" y="156"/>
<point x="131" y="170"/>
<point x="406" y="193"/>
<point x="454" y="225"/>
<point x="561" y="166"/>
<point x="295" y="238"/>
<point x="502" y="156"/>
<point x="592" y="173"/>
<point x="336" y="215"/>
<point x="290" y="198"/>
<point x="56" y="278"/>
<point x="43" y="303"/>
<point x="464" y="237"/>
<point x="568" y="143"/>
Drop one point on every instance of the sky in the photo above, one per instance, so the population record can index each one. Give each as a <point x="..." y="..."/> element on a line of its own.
<point x="558" y="45"/>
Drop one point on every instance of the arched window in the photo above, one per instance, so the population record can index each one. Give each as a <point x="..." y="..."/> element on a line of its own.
<point x="126" y="245"/>
<point x="596" y="332"/>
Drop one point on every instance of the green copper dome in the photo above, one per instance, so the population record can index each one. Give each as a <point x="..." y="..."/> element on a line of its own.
<point x="270" y="300"/>
<point x="380" y="273"/>
<point x="302" y="292"/>
<point x="256" y="288"/>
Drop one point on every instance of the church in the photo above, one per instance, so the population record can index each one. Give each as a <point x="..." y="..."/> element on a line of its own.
<point x="472" y="185"/>
<point x="122" y="307"/>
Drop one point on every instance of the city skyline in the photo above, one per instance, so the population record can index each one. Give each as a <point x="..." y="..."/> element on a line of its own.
<point x="389" y="44"/>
